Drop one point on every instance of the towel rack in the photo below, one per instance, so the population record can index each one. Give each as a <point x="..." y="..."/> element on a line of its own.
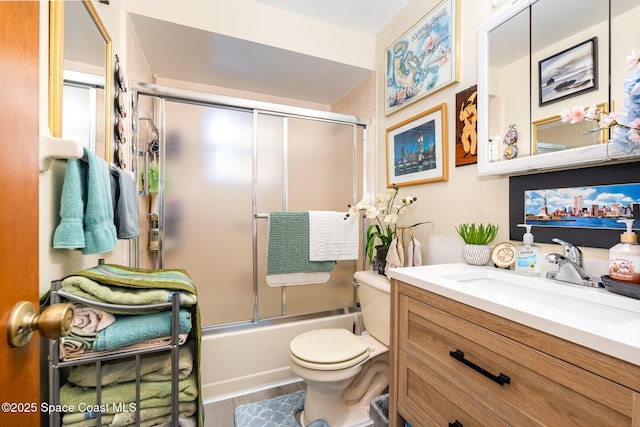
<point x="52" y="148"/>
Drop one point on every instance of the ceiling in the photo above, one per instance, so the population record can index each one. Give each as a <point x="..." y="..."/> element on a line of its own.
<point x="179" y="52"/>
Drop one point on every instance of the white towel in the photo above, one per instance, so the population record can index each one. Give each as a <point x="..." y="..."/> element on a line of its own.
<point x="302" y="278"/>
<point x="414" y="254"/>
<point x="395" y="256"/>
<point x="332" y="237"/>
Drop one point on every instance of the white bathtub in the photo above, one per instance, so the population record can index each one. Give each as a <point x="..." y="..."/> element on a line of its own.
<point x="235" y="363"/>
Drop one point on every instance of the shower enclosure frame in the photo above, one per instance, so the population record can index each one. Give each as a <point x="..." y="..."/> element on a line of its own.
<point x="164" y="93"/>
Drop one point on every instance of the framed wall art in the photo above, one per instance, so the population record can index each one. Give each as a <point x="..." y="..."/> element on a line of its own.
<point x="417" y="149"/>
<point x="424" y="59"/>
<point x="580" y="206"/>
<point x="568" y="73"/>
<point x="466" y="128"/>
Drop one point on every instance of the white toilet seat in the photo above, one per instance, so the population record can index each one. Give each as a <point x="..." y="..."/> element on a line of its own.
<point x="328" y="349"/>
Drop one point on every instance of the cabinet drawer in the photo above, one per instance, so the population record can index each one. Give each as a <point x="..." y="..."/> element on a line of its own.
<point x="541" y="389"/>
<point x="425" y="399"/>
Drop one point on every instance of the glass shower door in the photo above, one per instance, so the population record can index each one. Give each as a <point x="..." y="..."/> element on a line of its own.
<point x="221" y="171"/>
<point x="207" y="205"/>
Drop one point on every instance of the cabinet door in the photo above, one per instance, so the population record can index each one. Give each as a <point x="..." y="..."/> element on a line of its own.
<point x="426" y="399"/>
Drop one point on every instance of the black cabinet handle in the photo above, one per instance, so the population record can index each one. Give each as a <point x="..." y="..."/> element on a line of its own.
<point x="456" y="423"/>
<point x="501" y="379"/>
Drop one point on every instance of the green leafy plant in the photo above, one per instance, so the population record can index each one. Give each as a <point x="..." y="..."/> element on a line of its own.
<point x="480" y="234"/>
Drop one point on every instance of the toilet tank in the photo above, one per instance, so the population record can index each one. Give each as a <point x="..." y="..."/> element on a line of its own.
<point x="375" y="303"/>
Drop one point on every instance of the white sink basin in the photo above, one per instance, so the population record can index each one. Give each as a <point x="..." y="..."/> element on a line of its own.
<point x="592" y="317"/>
<point x="509" y="284"/>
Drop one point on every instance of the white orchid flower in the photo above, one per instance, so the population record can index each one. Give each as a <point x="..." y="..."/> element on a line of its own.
<point x="391" y="218"/>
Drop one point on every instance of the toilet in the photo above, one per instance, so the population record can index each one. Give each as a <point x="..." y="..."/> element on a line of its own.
<point x="345" y="372"/>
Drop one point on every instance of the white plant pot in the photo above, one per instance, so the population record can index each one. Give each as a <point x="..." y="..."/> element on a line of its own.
<point x="476" y="254"/>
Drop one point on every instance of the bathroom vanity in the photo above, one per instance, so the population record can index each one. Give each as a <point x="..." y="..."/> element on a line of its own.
<point x="479" y="346"/>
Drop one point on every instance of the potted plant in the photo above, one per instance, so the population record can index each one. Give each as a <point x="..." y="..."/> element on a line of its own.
<point x="384" y="212"/>
<point x="476" y="250"/>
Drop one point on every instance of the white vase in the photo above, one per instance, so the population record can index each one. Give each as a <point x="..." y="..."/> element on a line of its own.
<point x="476" y="254"/>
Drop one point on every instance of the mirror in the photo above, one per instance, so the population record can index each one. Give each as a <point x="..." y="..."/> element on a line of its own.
<point x="81" y="70"/>
<point x="550" y="135"/>
<point x="534" y="62"/>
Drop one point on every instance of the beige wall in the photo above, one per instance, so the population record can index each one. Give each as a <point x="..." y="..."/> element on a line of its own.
<point x="465" y="197"/>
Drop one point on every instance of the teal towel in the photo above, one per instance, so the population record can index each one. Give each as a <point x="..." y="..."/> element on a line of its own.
<point x="99" y="228"/>
<point x="129" y="330"/>
<point x="288" y="250"/>
<point x="86" y="207"/>
<point x="69" y="234"/>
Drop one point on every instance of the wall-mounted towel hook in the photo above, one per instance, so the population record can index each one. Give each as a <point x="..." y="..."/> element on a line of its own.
<point x="52" y="148"/>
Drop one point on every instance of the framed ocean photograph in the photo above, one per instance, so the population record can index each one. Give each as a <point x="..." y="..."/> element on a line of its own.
<point x="424" y="59"/>
<point x="417" y="149"/>
<point x="569" y="73"/>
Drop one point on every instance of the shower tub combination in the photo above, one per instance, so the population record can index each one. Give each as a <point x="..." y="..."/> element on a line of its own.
<point x="220" y="165"/>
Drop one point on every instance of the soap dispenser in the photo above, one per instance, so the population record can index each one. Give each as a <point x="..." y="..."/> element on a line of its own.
<point x="528" y="254"/>
<point x="624" y="258"/>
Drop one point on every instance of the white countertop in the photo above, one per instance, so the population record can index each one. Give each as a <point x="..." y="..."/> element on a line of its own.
<point x="592" y="317"/>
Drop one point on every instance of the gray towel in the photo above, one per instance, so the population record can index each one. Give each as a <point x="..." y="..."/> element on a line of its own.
<point x="125" y="204"/>
<point x="288" y="249"/>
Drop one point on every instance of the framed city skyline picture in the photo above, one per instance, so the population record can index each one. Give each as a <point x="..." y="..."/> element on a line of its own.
<point x="580" y="206"/>
<point x="593" y="206"/>
<point x="424" y="59"/>
<point x="417" y="149"/>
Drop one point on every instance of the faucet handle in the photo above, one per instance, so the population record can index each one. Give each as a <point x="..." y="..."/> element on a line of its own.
<point x="570" y="251"/>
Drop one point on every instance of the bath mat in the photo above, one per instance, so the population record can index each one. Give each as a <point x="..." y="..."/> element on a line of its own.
<point x="277" y="412"/>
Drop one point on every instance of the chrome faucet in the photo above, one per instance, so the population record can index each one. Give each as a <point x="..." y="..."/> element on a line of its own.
<point x="570" y="266"/>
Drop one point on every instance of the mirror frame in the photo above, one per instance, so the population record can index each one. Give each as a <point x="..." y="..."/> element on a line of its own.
<point x="575" y="157"/>
<point x="56" y="68"/>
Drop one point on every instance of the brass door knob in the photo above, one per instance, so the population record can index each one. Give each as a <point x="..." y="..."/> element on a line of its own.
<point x="55" y="321"/>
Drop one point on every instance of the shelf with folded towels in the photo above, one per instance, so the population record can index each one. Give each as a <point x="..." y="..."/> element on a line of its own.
<point x="52" y="148"/>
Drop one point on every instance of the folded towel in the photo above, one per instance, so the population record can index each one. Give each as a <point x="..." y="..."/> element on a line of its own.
<point x="148" y="417"/>
<point x="129" y="277"/>
<point x="129" y="330"/>
<point x="333" y="236"/>
<point x="94" y="291"/>
<point x="125" y="204"/>
<point x="84" y="353"/>
<point x="152" y="394"/>
<point x="140" y="278"/>
<point x="76" y="343"/>
<point x="182" y="422"/>
<point x="91" y="319"/>
<point x="303" y="278"/>
<point x="153" y="367"/>
<point x="288" y="248"/>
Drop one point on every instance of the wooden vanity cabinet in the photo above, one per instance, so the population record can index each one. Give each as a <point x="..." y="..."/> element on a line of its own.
<point x="453" y="365"/>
